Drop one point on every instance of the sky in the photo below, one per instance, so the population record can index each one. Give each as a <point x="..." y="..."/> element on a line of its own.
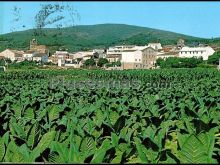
<point x="199" y="19"/>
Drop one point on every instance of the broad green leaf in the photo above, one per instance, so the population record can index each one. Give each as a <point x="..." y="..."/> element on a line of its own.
<point x="33" y="135"/>
<point x="140" y="150"/>
<point x="10" y="151"/>
<point x="100" y="153"/>
<point x="17" y="109"/>
<point x="99" y="117"/>
<point x="43" y="144"/>
<point x="29" y="113"/>
<point x="53" y="112"/>
<point x="113" y="116"/>
<point x="115" y="139"/>
<point x="88" y="145"/>
<point x="118" y="157"/>
<point x="169" y="160"/>
<point x="62" y="150"/>
<point x="193" y="151"/>
<point x="19" y="130"/>
<point x="2" y="148"/>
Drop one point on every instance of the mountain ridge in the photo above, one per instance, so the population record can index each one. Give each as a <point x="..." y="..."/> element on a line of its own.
<point x="85" y="37"/>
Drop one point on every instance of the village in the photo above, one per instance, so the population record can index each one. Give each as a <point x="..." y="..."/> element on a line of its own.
<point x="119" y="57"/>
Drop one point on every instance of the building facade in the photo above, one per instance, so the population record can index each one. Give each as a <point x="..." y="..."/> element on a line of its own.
<point x="189" y="52"/>
<point x="28" y="55"/>
<point x="40" y="57"/>
<point x="156" y="46"/>
<point x="164" y="55"/>
<point x="142" y="58"/>
<point x="13" y="55"/>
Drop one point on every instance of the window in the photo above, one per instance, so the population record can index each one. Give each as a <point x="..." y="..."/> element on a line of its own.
<point x="135" y="59"/>
<point x="139" y="59"/>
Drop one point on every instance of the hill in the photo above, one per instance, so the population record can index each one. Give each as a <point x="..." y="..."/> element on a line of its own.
<point x="84" y="37"/>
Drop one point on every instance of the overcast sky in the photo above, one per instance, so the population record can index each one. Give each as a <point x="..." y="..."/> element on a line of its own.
<point x="200" y="19"/>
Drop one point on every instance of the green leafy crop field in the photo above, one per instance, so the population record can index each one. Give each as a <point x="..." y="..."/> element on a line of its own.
<point x="96" y="116"/>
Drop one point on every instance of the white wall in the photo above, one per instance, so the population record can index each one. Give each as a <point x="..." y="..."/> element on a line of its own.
<point x="131" y="56"/>
<point x="155" y="45"/>
<point x="113" y="59"/>
<point x="59" y="62"/>
<point x="86" y="58"/>
<point x="73" y="65"/>
<point x="8" y="54"/>
<point x="203" y="52"/>
<point x="28" y="56"/>
<point x="37" y="59"/>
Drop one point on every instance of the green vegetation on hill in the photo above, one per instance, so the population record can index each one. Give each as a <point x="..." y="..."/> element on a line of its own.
<point x="86" y="37"/>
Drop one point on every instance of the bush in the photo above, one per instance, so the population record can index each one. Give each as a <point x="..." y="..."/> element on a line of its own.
<point x="159" y="61"/>
<point x="1" y="68"/>
<point x="206" y="66"/>
<point x="90" y="62"/>
<point x="112" y="64"/>
<point x="102" y="61"/>
<point x="175" y="62"/>
<point x="214" y="59"/>
<point x="118" y="63"/>
<point x="23" y="65"/>
<point x="2" y="62"/>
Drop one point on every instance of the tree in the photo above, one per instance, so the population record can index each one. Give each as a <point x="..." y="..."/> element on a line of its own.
<point x="170" y="62"/>
<point x="102" y="61"/>
<point x="175" y="62"/>
<point x="117" y="63"/>
<point x="90" y="62"/>
<point x="23" y="65"/>
<point x="214" y="59"/>
<point x="78" y="60"/>
<point x="2" y="62"/>
<point x="159" y="61"/>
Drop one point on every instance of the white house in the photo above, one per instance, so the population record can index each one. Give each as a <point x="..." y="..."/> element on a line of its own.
<point x="28" y="55"/>
<point x="113" y="57"/>
<point x="76" y="55"/>
<point x="13" y="55"/>
<point x="117" y="50"/>
<point x="83" y="55"/>
<point x="100" y="53"/>
<point x="86" y="57"/>
<point x="156" y="46"/>
<point x="115" y="53"/>
<point x="144" y="57"/>
<point x="40" y="57"/>
<point x="62" y="55"/>
<point x="203" y="52"/>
